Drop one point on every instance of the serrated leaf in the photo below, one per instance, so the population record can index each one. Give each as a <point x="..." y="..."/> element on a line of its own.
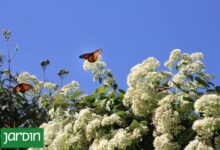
<point x="76" y="94"/>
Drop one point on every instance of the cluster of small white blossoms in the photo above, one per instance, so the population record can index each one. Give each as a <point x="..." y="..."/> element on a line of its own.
<point x="209" y="106"/>
<point x="69" y="89"/>
<point x="99" y="71"/>
<point x="50" y="86"/>
<point x="88" y="130"/>
<point x="167" y="124"/>
<point x="141" y="94"/>
<point x="25" y="77"/>
<point x="112" y="119"/>
<point x="187" y="65"/>
<point x="164" y="142"/>
<point x="197" y="144"/>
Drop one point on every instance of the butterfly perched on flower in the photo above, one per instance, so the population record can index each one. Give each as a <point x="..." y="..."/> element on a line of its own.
<point x="22" y="87"/>
<point x="91" y="57"/>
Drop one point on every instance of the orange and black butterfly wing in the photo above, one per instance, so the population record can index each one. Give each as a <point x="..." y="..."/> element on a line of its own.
<point x="23" y="87"/>
<point x="96" y="54"/>
<point x="91" y="57"/>
<point x="17" y="88"/>
<point x="88" y="56"/>
<point x="85" y="56"/>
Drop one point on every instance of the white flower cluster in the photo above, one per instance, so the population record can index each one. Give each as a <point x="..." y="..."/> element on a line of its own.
<point x="141" y="94"/>
<point x="209" y="105"/>
<point x="197" y="145"/>
<point x="99" y="71"/>
<point x="206" y="127"/>
<point x="113" y="119"/>
<point x="166" y="119"/>
<point x="50" y="86"/>
<point x="69" y="88"/>
<point x="187" y="65"/>
<point x="164" y="142"/>
<point x="89" y="130"/>
<point x="167" y="123"/>
<point x="173" y="113"/>
<point x="174" y="56"/>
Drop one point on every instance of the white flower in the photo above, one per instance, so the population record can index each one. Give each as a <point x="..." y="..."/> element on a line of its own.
<point x="164" y="142"/>
<point x="198" y="145"/>
<point x="206" y="127"/>
<point x="50" y="131"/>
<point x="197" y="55"/>
<point x="91" y="129"/>
<point x="100" y="145"/>
<point x="69" y="88"/>
<point x="25" y="77"/>
<point x="141" y="94"/>
<point x="209" y="105"/>
<point x="100" y="72"/>
<point x="110" y="120"/>
<point x="120" y="140"/>
<point x="174" y="56"/>
<point x="50" y="86"/>
<point x="167" y="121"/>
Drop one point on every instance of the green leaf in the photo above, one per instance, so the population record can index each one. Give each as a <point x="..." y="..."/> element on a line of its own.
<point x="59" y="102"/>
<point x="122" y="114"/>
<point x="102" y="90"/>
<point x="202" y="82"/>
<point x="88" y="99"/>
<point x="76" y="94"/>
<point x="134" y="124"/>
<point x="217" y="88"/>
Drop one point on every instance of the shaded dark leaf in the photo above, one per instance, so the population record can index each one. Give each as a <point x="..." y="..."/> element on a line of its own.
<point x="202" y="82"/>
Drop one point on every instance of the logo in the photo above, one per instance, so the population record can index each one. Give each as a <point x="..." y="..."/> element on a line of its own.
<point x="22" y="138"/>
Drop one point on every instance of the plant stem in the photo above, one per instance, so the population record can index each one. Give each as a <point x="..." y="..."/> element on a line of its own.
<point x="9" y="64"/>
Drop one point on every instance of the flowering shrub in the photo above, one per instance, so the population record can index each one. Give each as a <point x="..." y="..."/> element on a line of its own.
<point x="162" y="110"/>
<point x="177" y="108"/>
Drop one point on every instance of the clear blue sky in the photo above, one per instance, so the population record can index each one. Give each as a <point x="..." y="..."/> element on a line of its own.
<point x="129" y="31"/>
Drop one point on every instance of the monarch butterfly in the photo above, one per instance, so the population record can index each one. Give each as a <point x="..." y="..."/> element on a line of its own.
<point x="22" y="87"/>
<point x="91" y="57"/>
